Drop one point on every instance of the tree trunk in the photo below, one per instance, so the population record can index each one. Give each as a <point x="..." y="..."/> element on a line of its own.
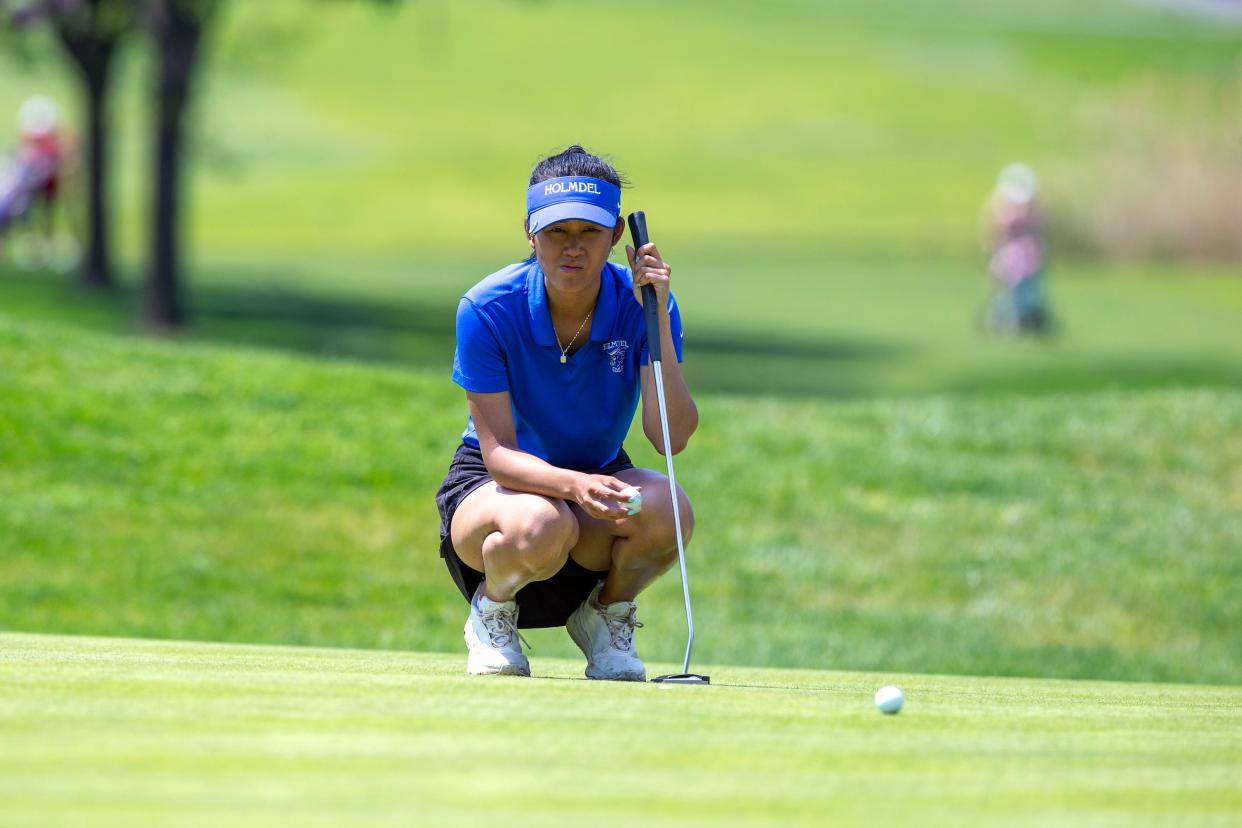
<point x="91" y="43"/>
<point x="97" y="267"/>
<point x="178" y="35"/>
<point x="165" y="308"/>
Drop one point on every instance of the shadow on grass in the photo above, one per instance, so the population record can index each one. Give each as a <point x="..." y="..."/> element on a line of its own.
<point x="1098" y="374"/>
<point x="419" y="333"/>
<point x="422" y="335"/>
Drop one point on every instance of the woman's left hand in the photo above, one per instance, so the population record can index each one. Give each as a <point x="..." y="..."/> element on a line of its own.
<point x="649" y="269"/>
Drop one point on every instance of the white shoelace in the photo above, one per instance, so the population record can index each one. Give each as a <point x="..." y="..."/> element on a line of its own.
<point x="501" y="626"/>
<point x="621" y="629"/>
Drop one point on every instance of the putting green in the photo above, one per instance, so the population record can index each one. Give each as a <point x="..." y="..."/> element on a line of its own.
<point x="124" y="732"/>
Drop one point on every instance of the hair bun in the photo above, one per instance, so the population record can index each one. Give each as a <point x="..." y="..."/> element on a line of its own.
<point x="575" y="160"/>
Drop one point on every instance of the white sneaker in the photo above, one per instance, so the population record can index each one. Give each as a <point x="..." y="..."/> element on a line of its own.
<point x="493" y="638"/>
<point x="605" y="634"/>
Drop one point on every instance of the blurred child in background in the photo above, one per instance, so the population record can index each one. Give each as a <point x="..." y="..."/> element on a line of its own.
<point x="30" y="178"/>
<point x="1013" y="240"/>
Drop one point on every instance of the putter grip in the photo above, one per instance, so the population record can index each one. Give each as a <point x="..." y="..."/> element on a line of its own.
<point x="651" y="310"/>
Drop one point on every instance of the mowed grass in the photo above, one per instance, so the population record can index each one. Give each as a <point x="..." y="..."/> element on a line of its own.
<point x="179" y="490"/>
<point x="124" y="732"/>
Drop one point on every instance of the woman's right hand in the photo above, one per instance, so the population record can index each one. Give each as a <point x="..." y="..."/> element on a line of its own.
<point x="600" y="496"/>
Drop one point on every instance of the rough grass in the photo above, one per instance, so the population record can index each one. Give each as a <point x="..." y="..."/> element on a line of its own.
<point x="1168" y="186"/>
<point x="205" y="492"/>
<point x="124" y="732"/>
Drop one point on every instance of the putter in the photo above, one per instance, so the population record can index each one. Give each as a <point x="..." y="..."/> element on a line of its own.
<point x="651" y="310"/>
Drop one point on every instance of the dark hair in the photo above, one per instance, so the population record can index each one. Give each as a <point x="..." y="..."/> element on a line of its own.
<point x="575" y="161"/>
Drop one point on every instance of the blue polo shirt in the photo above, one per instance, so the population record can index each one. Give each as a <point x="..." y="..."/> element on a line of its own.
<point x="573" y="415"/>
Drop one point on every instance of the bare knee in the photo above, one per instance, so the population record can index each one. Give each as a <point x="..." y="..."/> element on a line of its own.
<point x="657" y="540"/>
<point x="665" y="523"/>
<point x="686" y="513"/>
<point x="542" y="536"/>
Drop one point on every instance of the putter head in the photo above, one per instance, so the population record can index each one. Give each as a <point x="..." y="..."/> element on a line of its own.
<point x="682" y="678"/>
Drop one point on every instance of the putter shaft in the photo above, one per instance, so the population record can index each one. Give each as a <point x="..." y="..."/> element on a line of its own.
<point x="658" y="368"/>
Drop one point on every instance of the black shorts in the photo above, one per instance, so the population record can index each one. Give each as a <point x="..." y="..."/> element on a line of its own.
<point x="540" y="603"/>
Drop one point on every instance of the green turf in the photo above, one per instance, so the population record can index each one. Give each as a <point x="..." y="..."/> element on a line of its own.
<point x="123" y="732"/>
<point x="166" y="489"/>
<point x="793" y="125"/>
<point x="815" y="179"/>
<point x="923" y="498"/>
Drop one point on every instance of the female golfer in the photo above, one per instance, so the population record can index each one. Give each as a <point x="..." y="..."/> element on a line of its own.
<point x="536" y="525"/>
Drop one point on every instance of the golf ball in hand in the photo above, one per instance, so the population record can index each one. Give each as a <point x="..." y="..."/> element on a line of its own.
<point x="635" y="503"/>
<point x="889" y="699"/>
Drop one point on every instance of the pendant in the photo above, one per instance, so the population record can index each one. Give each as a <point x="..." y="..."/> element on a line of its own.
<point x="562" y="359"/>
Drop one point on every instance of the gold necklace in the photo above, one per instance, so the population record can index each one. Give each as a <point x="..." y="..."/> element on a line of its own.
<point x="572" y="341"/>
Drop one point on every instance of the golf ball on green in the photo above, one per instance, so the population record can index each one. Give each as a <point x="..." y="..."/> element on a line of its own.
<point x="889" y="699"/>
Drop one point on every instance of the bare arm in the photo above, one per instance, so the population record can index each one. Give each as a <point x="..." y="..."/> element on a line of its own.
<point x="598" y="494"/>
<point x="683" y="414"/>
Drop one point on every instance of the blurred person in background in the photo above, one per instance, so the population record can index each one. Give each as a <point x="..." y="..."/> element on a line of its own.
<point x="30" y="179"/>
<point x="1013" y="241"/>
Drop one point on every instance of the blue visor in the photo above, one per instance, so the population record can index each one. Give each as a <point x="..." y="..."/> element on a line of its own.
<point x="572" y="197"/>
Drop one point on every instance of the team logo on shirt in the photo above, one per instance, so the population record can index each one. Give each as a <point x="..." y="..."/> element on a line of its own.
<point x="616" y="354"/>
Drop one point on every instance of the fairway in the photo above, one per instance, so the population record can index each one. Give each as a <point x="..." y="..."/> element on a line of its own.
<point x="125" y="731"/>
